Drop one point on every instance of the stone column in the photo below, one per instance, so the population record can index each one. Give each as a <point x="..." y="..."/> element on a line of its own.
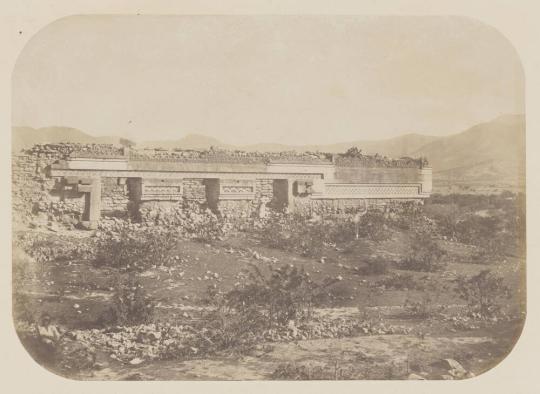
<point x="426" y="179"/>
<point x="290" y="197"/>
<point x="93" y="199"/>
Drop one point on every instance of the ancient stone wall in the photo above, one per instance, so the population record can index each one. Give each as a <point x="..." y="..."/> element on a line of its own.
<point x="377" y="175"/>
<point x="41" y="200"/>
<point x="37" y="198"/>
<point x="160" y="211"/>
<point x="194" y="189"/>
<point x="243" y="208"/>
<point x="264" y="188"/>
<point x="309" y="207"/>
<point x="114" y="197"/>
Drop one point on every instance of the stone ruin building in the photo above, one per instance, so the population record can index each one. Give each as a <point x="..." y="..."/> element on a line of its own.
<point x="88" y="181"/>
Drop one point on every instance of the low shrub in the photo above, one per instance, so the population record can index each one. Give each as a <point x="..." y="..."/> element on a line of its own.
<point x="287" y="293"/>
<point x="483" y="293"/>
<point x="406" y="215"/>
<point x="373" y="225"/>
<point x="263" y="302"/>
<point x="225" y="329"/>
<point x="295" y="234"/>
<point x="130" y="303"/>
<point x="425" y="255"/>
<point x="298" y="234"/>
<point x="205" y="227"/>
<point x="136" y="250"/>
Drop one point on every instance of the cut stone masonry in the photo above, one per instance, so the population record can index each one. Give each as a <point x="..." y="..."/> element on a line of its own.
<point x="121" y="182"/>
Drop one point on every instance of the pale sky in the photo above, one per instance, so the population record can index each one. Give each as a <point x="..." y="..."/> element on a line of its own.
<point x="296" y="80"/>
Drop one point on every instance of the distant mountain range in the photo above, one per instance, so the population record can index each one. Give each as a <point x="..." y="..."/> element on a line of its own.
<point x="490" y="152"/>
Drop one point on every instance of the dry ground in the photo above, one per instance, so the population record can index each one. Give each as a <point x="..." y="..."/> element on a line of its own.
<point x="75" y="292"/>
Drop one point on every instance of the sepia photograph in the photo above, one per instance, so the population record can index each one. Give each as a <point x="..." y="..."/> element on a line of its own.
<point x="281" y="197"/>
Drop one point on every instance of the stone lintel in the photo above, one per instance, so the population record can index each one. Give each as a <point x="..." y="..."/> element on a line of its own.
<point x="176" y="174"/>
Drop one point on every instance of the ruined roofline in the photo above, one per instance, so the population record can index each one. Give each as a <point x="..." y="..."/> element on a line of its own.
<point x="352" y="158"/>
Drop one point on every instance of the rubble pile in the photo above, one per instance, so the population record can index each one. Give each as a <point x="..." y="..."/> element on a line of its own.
<point x="138" y="343"/>
<point x="323" y="328"/>
<point x="67" y="213"/>
<point x="42" y="248"/>
<point x="218" y="155"/>
<point x="355" y="158"/>
<point x="64" y="150"/>
<point x="144" y="342"/>
<point x="187" y="222"/>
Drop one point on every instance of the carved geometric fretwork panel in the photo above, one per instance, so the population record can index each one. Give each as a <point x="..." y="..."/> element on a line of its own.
<point x="161" y="189"/>
<point x="238" y="189"/>
<point x="344" y="190"/>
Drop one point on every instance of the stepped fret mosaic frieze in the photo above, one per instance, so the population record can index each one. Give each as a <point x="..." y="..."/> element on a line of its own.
<point x="237" y="189"/>
<point x="162" y="189"/>
<point x="371" y="191"/>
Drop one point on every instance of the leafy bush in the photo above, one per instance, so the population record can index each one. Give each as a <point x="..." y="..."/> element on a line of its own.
<point x="406" y="215"/>
<point x="340" y="231"/>
<point x="425" y="255"/>
<point x="288" y="293"/>
<point x="227" y="329"/>
<point x="205" y="227"/>
<point x="136" y="250"/>
<point x="373" y="226"/>
<point x="295" y="234"/>
<point x="241" y="317"/>
<point x="129" y="304"/>
<point x="483" y="293"/>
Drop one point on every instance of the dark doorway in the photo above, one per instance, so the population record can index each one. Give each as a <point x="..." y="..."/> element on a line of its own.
<point x="281" y="193"/>
<point x="212" y="193"/>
